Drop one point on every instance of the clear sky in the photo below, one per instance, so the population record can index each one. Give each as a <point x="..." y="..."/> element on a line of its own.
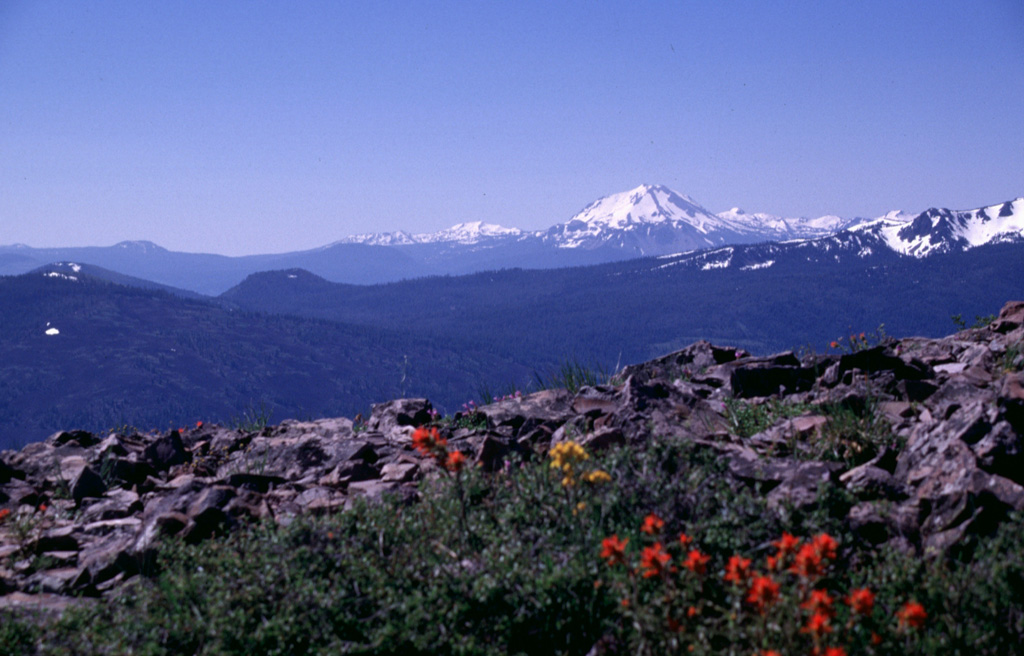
<point x="243" y="127"/>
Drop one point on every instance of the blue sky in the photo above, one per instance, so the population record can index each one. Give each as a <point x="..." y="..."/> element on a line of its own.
<point x="242" y="127"/>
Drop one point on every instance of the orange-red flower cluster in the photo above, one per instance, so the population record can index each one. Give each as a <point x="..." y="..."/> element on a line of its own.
<point x="818" y="625"/>
<point x="654" y="560"/>
<point x="696" y="562"/>
<point x="430" y="443"/>
<point x="808" y="560"/>
<point x="825" y="545"/>
<point x="787" y="544"/>
<point x="614" y="550"/>
<point x="912" y="615"/>
<point x="455" y="462"/>
<point x="737" y="571"/>
<point x="763" y="593"/>
<point x="652" y="524"/>
<point x="4" y="513"/>
<point x="819" y="602"/>
<point x="861" y="601"/>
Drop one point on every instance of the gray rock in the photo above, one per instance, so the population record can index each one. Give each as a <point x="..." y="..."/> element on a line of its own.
<point x="167" y="451"/>
<point x="87" y="484"/>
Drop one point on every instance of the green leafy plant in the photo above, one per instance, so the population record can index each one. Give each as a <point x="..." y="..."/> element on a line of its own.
<point x="748" y="418"/>
<point x="571" y="375"/>
<point x="980" y="321"/>
<point x="1013" y="357"/>
<point x="254" y="419"/>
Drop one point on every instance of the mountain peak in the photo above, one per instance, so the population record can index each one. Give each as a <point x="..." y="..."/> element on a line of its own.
<point x="938" y="230"/>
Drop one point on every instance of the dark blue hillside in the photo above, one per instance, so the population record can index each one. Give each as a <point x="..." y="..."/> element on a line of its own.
<point x="631" y="311"/>
<point x="147" y="358"/>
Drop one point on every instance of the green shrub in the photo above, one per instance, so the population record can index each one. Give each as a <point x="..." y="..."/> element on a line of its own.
<point x="511" y="562"/>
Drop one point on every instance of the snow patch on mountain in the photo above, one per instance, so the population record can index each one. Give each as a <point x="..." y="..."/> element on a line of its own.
<point x="777" y="227"/>
<point x="461" y="233"/>
<point x="759" y="265"/>
<point x="57" y="274"/>
<point x="942" y="231"/>
<point x="471" y="233"/>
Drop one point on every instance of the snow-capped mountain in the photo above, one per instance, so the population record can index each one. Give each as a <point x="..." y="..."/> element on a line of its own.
<point x="647" y="220"/>
<point x="944" y="231"/>
<point x="893" y="236"/>
<point x="461" y="233"/>
<point x="653" y="220"/>
<point x="779" y="228"/>
<point x="843" y="247"/>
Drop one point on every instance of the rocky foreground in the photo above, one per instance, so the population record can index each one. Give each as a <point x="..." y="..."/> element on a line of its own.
<point x="80" y="513"/>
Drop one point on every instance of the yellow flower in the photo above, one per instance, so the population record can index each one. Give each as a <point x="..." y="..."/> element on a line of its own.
<point x="565" y="454"/>
<point x="597" y="476"/>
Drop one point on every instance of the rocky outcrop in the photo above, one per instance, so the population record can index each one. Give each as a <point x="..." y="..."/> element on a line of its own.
<point x="934" y="453"/>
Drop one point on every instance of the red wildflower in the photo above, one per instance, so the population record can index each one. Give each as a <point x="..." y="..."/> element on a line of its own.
<point x="692" y="611"/>
<point x="763" y="593"/>
<point x="774" y="562"/>
<point x="654" y="560"/>
<point x="819" y="602"/>
<point x="768" y="652"/>
<point x="911" y="615"/>
<point x="427" y="440"/>
<point x="807" y="562"/>
<point x="614" y="550"/>
<point x="826" y="545"/>
<point x="861" y="601"/>
<point x="834" y="344"/>
<point x="818" y="625"/>
<point x="787" y="544"/>
<point x="737" y="570"/>
<point x="4" y="513"/>
<point x="696" y="562"/>
<point x="455" y="462"/>
<point x="685" y="539"/>
<point x="652" y="524"/>
<point x="829" y="651"/>
<point x="199" y="424"/>
<point x="42" y="507"/>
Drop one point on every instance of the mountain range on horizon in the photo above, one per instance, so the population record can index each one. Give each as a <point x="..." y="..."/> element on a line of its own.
<point x="649" y="220"/>
<point x="102" y="336"/>
<point x="647" y="213"/>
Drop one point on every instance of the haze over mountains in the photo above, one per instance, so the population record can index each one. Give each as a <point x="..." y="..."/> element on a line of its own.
<point x="648" y="220"/>
<point x="97" y="337"/>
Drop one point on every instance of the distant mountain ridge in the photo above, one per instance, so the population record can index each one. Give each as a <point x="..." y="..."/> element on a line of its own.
<point x="649" y="220"/>
<point x="943" y="231"/>
<point x="646" y="220"/>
